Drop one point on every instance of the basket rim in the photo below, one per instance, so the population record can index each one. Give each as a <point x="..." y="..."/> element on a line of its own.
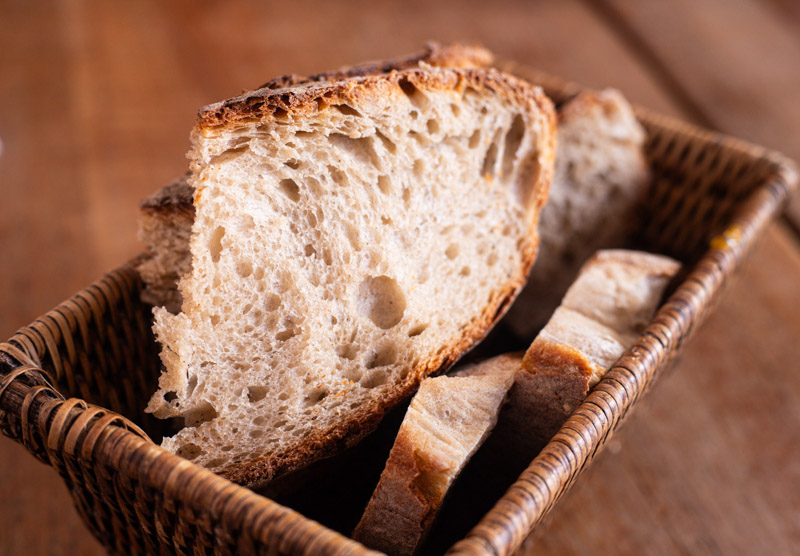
<point x="102" y="436"/>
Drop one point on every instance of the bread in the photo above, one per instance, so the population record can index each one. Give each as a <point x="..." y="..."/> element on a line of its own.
<point x="167" y="215"/>
<point x="599" y="183"/>
<point x="165" y="225"/>
<point x="448" y="419"/>
<point x="600" y="317"/>
<point x="349" y="239"/>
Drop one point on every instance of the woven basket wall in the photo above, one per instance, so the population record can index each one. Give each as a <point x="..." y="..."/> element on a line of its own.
<point x="73" y="383"/>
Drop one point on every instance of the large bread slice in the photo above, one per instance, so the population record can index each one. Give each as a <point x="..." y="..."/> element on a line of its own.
<point x="598" y="186"/>
<point x="447" y="421"/>
<point x="166" y="216"/>
<point x="349" y="239"/>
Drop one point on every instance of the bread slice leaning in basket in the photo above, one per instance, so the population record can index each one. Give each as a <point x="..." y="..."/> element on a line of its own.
<point x="166" y="217"/>
<point x="447" y="421"/>
<point x="603" y="312"/>
<point x="350" y="238"/>
<point x="598" y="187"/>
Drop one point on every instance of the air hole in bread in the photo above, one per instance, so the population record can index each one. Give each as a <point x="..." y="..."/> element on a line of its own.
<point x="215" y="243"/>
<point x="290" y="188"/>
<point x="385" y="220"/>
<point x="189" y="451"/>
<point x="255" y="433"/>
<point x="191" y="385"/>
<point x="388" y="144"/>
<point x="419" y="168"/>
<point x="201" y="413"/>
<point x="351" y="232"/>
<point x="433" y="126"/>
<point x="419" y="138"/>
<point x="230" y="154"/>
<point x="244" y="268"/>
<point x="315" y="397"/>
<point x="385" y="184"/>
<point x="456" y="110"/>
<point x="258" y="274"/>
<point x="309" y="250"/>
<point x="381" y="299"/>
<point x="287" y="334"/>
<point x="386" y="354"/>
<point x="406" y="195"/>
<point x="375" y="379"/>
<point x="260" y="420"/>
<point x="489" y="161"/>
<point x="452" y="251"/>
<point x="512" y="142"/>
<point x="303" y="134"/>
<point x="474" y="139"/>
<point x="227" y="448"/>
<point x="215" y="320"/>
<point x="346" y="110"/>
<point x="491" y="260"/>
<point x="465" y="271"/>
<point x="347" y="351"/>
<point x="256" y="393"/>
<point x="292" y="163"/>
<point x="417" y="330"/>
<point x="338" y="177"/>
<point x="361" y="148"/>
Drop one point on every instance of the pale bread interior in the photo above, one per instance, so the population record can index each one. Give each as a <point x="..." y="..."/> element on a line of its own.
<point x="336" y="255"/>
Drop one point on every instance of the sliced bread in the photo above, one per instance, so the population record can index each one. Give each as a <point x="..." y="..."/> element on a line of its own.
<point x="447" y="421"/>
<point x="599" y="183"/>
<point x="349" y="239"/>
<point x="600" y="317"/>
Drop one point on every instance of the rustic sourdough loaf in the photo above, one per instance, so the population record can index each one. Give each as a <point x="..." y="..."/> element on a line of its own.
<point x="598" y="185"/>
<point x="447" y="421"/>
<point x="349" y="238"/>
<point x="166" y="217"/>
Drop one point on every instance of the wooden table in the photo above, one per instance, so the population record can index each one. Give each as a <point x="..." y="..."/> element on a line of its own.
<point x="96" y="100"/>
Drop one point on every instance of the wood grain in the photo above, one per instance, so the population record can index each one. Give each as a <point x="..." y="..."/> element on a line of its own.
<point x="734" y="65"/>
<point x="96" y="102"/>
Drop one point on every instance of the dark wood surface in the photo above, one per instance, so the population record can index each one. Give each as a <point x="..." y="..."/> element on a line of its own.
<point x="96" y="100"/>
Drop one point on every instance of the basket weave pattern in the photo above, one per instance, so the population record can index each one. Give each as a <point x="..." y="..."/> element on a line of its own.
<point x="708" y="190"/>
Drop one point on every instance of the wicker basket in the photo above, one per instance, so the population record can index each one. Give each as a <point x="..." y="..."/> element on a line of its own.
<point x="67" y="379"/>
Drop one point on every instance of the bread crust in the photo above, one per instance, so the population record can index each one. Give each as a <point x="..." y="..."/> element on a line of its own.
<point x="175" y="199"/>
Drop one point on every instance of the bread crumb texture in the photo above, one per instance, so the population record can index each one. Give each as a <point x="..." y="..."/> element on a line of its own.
<point x="350" y="239"/>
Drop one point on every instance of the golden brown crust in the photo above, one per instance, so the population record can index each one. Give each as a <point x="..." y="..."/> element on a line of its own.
<point x="307" y="98"/>
<point x="406" y="496"/>
<point x="175" y="198"/>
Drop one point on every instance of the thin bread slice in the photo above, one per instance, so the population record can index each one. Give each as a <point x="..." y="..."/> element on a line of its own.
<point x="600" y="317"/>
<point x="447" y="421"/>
<point x="166" y="217"/>
<point x="350" y="238"/>
<point x="598" y="186"/>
